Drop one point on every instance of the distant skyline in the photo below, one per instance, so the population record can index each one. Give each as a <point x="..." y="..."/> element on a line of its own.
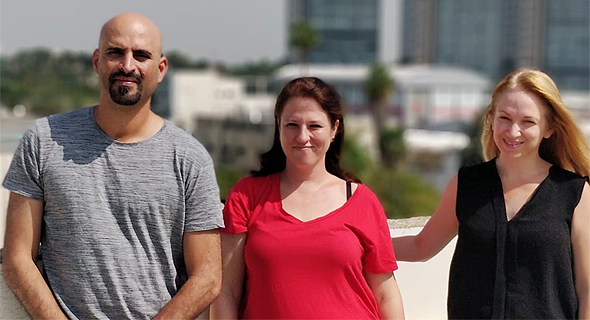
<point x="227" y="31"/>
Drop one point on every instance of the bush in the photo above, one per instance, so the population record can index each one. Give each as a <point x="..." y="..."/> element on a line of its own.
<point x="403" y="194"/>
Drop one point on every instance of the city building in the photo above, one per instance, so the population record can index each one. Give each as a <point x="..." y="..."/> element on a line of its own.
<point x="185" y="95"/>
<point x="498" y="36"/>
<point x="348" y="30"/>
<point x="425" y="96"/>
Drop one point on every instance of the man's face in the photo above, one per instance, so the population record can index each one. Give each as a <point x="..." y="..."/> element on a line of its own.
<point x="129" y="62"/>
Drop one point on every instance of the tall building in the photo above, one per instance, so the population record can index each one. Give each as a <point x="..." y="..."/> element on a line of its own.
<point x="498" y="36"/>
<point x="348" y="29"/>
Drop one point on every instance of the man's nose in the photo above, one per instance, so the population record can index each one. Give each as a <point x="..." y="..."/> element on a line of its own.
<point x="128" y="62"/>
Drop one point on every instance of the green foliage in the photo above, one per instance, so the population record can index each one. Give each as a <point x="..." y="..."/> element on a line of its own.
<point x="354" y="159"/>
<point x="379" y="87"/>
<point x="179" y="60"/>
<point x="403" y="194"/>
<point x="303" y="36"/>
<point x="226" y="178"/>
<point x="393" y="147"/>
<point x="473" y="153"/>
<point x="379" y="83"/>
<point x="47" y="82"/>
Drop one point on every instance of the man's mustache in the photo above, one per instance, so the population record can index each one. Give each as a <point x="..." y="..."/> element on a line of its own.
<point x="120" y="73"/>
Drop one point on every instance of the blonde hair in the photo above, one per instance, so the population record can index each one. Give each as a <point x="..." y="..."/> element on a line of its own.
<point x="567" y="147"/>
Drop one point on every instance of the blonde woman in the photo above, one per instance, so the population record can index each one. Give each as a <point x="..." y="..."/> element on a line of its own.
<point x="522" y="218"/>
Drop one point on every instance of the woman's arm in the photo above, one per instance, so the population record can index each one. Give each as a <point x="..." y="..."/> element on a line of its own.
<point x="386" y="292"/>
<point x="581" y="248"/>
<point x="436" y="234"/>
<point x="226" y="306"/>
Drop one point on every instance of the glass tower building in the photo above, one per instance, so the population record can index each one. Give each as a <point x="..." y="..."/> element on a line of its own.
<point x="348" y="29"/>
<point x="498" y="36"/>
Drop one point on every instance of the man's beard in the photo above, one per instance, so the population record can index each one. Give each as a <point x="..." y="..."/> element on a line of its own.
<point x="120" y="94"/>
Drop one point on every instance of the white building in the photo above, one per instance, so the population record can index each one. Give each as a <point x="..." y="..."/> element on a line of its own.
<point x="425" y="95"/>
<point x="185" y="95"/>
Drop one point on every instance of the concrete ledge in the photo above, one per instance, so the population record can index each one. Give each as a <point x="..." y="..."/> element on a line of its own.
<point x="423" y="284"/>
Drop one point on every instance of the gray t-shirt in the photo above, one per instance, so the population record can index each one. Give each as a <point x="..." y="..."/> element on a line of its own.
<point x="114" y="213"/>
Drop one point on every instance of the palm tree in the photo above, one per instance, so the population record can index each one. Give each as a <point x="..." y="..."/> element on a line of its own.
<point x="303" y="36"/>
<point x="379" y="87"/>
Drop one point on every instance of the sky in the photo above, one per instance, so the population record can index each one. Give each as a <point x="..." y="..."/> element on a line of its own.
<point x="227" y="31"/>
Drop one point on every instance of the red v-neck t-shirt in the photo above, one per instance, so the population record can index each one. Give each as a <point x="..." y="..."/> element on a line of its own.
<point x="313" y="269"/>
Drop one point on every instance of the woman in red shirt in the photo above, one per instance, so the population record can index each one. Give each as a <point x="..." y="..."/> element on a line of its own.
<point x="302" y="241"/>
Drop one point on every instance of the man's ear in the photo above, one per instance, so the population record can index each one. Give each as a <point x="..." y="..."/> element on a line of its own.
<point x="95" y="60"/>
<point x="162" y="67"/>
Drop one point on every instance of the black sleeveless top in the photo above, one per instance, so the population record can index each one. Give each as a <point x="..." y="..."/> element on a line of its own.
<point x="522" y="268"/>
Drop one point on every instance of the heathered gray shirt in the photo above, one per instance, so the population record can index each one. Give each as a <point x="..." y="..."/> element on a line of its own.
<point x="115" y="213"/>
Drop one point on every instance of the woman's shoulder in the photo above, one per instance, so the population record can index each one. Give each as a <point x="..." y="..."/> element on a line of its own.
<point x="255" y="185"/>
<point x="363" y="193"/>
<point x="560" y="173"/>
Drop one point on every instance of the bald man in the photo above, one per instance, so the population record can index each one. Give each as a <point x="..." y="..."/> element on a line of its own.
<point x="124" y="204"/>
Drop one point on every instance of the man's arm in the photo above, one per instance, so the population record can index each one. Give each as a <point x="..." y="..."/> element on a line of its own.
<point x="21" y="244"/>
<point x="202" y="256"/>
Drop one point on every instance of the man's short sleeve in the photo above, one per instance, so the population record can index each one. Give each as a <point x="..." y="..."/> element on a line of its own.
<point x="203" y="205"/>
<point x="24" y="175"/>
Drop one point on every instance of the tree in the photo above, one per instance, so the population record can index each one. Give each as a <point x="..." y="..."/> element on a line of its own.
<point x="47" y="82"/>
<point x="355" y="159"/>
<point x="393" y="147"/>
<point x="379" y="87"/>
<point x="303" y="36"/>
<point x="179" y="60"/>
<point x="403" y="194"/>
<point x="473" y="154"/>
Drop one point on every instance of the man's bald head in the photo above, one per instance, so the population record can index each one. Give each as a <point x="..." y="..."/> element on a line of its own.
<point x="132" y="24"/>
<point x="129" y="60"/>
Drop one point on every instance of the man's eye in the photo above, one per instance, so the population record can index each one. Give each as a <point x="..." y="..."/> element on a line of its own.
<point x="141" y="56"/>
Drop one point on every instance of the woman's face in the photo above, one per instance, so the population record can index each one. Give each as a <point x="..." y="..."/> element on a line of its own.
<point x="519" y="124"/>
<point x="305" y="132"/>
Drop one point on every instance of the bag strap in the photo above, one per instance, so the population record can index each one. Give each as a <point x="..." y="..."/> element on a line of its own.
<point x="348" y="189"/>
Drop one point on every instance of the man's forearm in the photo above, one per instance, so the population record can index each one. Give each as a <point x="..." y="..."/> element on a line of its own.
<point x="192" y="299"/>
<point x="30" y="288"/>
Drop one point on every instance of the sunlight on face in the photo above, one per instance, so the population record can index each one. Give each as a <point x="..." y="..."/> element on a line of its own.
<point x="305" y="132"/>
<point x="519" y="124"/>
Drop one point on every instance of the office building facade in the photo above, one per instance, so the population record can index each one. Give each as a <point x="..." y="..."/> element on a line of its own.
<point x="498" y="36"/>
<point x="348" y="29"/>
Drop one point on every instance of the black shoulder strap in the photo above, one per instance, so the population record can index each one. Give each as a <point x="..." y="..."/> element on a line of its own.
<point x="348" y="189"/>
